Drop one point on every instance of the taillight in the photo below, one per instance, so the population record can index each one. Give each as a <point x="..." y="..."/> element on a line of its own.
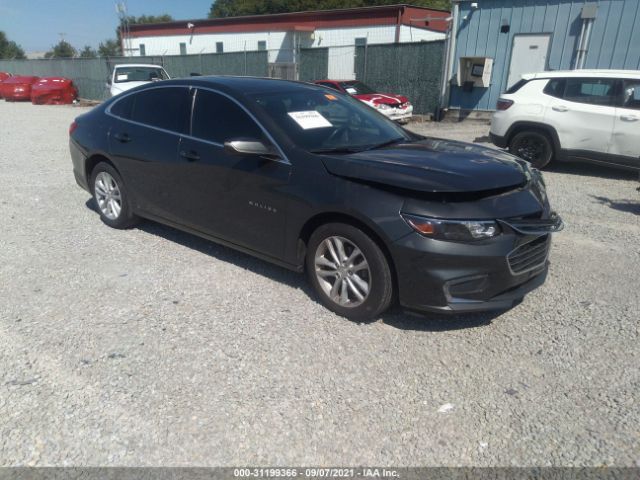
<point x="503" y="104"/>
<point x="72" y="127"/>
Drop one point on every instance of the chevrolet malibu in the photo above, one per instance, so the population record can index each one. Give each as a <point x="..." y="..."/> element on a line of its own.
<point x="316" y="181"/>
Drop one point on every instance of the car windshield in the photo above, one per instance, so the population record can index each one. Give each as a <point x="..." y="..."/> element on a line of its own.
<point x="319" y="121"/>
<point x="357" y="88"/>
<point x="139" y="74"/>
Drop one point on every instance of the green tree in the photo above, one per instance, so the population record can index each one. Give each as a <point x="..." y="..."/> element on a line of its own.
<point x="109" y="48"/>
<point x="142" y="19"/>
<point x="232" y="8"/>
<point x="88" y="52"/>
<point x="62" y="49"/>
<point x="9" y="48"/>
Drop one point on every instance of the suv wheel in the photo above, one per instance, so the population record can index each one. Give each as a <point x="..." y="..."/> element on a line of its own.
<point x="349" y="271"/>
<point x="111" y="197"/>
<point x="532" y="146"/>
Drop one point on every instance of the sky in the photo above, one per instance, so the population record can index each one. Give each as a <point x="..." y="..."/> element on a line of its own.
<point x="36" y="24"/>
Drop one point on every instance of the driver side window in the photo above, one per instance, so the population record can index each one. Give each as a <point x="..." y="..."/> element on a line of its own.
<point x="218" y="119"/>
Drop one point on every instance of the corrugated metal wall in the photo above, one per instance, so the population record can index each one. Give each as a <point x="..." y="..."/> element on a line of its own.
<point x="615" y="39"/>
<point x="90" y="74"/>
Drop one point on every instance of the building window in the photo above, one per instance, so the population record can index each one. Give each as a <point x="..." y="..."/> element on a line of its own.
<point x="143" y="51"/>
<point x="219" y="47"/>
<point x="361" y="41"/>
<point x="183" y="49"/>
<point x="262" y="45"/>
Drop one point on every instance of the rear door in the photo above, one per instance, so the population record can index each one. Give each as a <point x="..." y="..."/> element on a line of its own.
<point x="143" y="143"/>
<point x="626" y="132"/>
<point x="235" y="197"/>
<point x="582" y="111"/>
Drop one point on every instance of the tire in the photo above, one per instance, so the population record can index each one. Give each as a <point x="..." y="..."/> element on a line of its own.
<point x="111" y="197"/>
<point x="340" y="286"/>
<point x="533" y="146"/>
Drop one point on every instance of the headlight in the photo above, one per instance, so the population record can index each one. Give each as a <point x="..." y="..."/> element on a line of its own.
<point x="454" y="230"/>
<point x="381" y="106"/>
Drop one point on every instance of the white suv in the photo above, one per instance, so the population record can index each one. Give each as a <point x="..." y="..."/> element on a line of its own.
<point x="591" y="115"/>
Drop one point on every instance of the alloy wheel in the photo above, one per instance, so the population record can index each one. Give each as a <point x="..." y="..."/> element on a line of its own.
<point x="342" y="271"/>
<point x="108" y="195"/>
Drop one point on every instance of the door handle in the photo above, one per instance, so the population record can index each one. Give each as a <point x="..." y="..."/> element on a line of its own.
<point x="190" y="156"/>
<point x="629" y="118"/>
<point x="122" y="137"/>
<point x="560" y="108"/>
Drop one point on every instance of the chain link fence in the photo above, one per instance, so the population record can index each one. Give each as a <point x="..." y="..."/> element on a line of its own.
<point x="411" y="69"/>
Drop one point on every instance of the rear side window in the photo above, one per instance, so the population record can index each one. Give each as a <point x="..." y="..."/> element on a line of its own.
<point x="555" y="87"/>
<point x="123" y="108"/>
<point x="218" y="119"/>
<point x="166" y="108"/>
<point x="517" y="86"/>
<point x="596" y="91"/>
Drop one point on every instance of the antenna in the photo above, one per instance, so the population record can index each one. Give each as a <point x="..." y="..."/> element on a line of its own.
<point x="121" y="11"/>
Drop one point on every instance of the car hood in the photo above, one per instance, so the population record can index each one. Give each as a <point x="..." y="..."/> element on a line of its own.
<point x="433" y="165"/>
<point x="378" y="98"/>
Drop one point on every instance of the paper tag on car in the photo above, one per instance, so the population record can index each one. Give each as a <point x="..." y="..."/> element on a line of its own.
<point x="310" y="119"/>
<point x="122" y="76"/>
<point x="351" y="91"/>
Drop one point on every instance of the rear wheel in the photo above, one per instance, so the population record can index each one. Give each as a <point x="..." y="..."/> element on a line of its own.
<point x="111" y="197"/>
<point x="349" y="271"/>
<point x="533" y="146"/>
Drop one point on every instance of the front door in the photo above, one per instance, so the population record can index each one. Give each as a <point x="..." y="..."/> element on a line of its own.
<point x="239" y="198"/>
<point x="528" y="55"/>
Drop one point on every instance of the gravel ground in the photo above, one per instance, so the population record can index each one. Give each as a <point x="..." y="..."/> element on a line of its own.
<point x="153" y="347"/>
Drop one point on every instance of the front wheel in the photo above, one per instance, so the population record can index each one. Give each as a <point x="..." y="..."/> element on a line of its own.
<point x="349" y="271"/>
<point x="532" y="146"/>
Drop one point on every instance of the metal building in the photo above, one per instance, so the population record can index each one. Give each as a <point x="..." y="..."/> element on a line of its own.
<point x="494" y="42"/>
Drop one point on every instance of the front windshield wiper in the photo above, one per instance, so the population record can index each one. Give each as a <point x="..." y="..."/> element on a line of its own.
<point x="344" y="150"/>
<point x="388" y="143"/>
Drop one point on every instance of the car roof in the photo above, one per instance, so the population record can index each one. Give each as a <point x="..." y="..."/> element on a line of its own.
<point x="242" y="85"/>
<point x="584" y="73"/>
<point x="137" y="65"/>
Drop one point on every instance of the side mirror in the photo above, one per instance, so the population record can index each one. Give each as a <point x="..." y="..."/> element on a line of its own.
<point x="109" y="81"/>
<point x="251" y="146"/>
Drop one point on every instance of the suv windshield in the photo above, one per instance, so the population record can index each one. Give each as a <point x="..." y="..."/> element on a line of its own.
<point x="357" y="88"/>
<point x="321" y="122"/>
<point x="139" y="74"/>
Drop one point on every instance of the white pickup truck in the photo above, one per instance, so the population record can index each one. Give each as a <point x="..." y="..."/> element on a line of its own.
<point x="127" y="76"/>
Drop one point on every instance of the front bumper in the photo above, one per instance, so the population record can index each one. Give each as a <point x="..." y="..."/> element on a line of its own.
<point x="449" y="277"/>
<point x="398" y="113"/>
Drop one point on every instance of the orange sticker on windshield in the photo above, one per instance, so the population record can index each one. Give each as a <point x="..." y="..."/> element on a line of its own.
<point x="330" y="97"/>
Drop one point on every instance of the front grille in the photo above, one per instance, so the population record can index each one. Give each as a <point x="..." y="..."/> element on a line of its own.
<point x="529" y="256"/>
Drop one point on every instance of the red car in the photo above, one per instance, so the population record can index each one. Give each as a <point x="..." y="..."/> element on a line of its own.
<point x="396" y="107"/>
<point x="17" y="88"/>
<point x="3" y="77"/>
<point x="53" y="91"/>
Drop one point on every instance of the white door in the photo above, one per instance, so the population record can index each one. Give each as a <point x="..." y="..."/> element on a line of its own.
<point x="626" y="131"/>
<point x="528" y="55"/>
<point x="583" y="113"/>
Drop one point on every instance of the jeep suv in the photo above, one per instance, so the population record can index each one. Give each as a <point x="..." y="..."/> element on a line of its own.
<point x="586" y="115"/>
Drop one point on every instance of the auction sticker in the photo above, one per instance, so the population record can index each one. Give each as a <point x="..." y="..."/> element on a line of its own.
<point x="310" y="119"/>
